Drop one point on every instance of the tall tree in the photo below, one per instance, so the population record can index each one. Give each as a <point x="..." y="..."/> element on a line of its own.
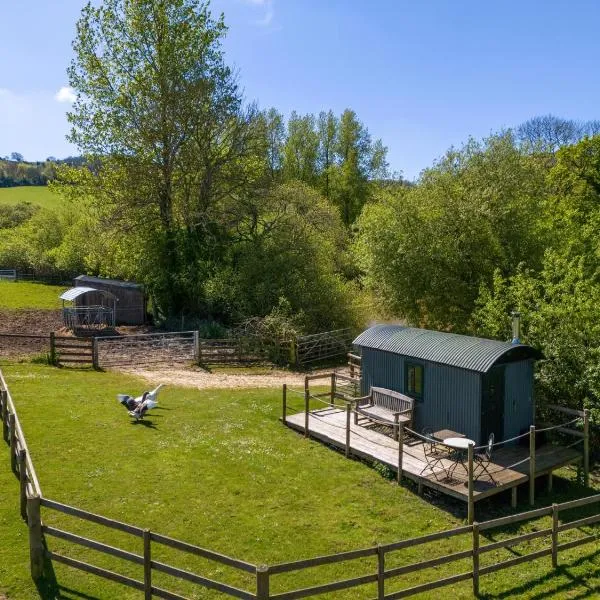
<point x="359" y="160"/>
<point x="157" y="105"/>
<point x="328" y="132"/>
<point x="301" y="149"/>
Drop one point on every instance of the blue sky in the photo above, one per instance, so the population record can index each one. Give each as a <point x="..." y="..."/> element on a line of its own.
<point x="422" y="74"/>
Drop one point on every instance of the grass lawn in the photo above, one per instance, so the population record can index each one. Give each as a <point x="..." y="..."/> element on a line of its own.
<point x="24" y="294"/>
<point x="36" y="194"/>
<point x="217" y="469"/>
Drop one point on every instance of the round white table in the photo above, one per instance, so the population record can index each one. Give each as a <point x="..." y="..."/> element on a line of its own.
<point x="459" y="443"/>
<point x="460" y="456"/>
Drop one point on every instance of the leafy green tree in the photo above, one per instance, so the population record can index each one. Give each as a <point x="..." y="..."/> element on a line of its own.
<point x="359" y="160"/>
<point x="158" y="108"/>
<point x="328" y="126"/>
<point x="301" y="149"/>
<point x="425" y="250"/>
<point x="287" y="245"/>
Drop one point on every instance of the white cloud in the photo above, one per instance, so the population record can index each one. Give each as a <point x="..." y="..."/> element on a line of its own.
<point x="65" y="94"/>
<point x="267" y="6"/>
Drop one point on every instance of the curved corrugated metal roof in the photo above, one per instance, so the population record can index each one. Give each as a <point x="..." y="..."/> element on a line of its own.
<point x="75" y="292"/>
<point x="463" y="351"/>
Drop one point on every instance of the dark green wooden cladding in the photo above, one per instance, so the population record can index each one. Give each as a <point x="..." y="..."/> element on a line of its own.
<point x="473" y="402"/>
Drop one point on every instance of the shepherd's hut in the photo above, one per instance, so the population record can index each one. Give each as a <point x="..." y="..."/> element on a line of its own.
<point x="466" y="384"/>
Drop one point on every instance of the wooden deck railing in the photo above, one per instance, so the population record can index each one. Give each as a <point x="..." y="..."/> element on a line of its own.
<point x="381" y="573"/>
<point x="400" y="431"/>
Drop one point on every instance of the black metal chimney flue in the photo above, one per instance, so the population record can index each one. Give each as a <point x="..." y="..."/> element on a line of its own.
<point x="516" y="327"/>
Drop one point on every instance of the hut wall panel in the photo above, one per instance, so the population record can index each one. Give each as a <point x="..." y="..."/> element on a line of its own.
<point x="518" y="397"/>
<point x="451" y="401"/>
<point x="452" y="396"/>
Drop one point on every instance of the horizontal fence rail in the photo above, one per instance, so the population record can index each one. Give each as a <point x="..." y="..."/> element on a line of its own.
<point x="380" y="572"/>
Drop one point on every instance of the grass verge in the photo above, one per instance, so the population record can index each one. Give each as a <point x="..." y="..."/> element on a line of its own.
<point x="24" y="294"/>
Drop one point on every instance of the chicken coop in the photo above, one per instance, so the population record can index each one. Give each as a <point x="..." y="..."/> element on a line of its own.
<point x="129" y="298"/>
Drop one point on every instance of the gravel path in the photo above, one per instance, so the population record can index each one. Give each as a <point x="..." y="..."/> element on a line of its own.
<point x="201" y="379"/>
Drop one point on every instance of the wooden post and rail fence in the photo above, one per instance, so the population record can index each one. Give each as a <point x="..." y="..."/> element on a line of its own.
<point x="380" y="575"/>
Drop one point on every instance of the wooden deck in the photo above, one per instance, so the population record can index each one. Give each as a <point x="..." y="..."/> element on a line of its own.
<point x="329" y="425"/>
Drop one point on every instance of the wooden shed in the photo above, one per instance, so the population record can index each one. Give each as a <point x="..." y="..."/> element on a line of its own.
<point x="130" y="298"/>
<point x="470" y="385"/>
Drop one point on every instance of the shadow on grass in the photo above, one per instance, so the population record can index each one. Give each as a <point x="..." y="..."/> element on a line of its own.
<point x="145" y="423"/>
<point x="49" y="588"/>
<point x="563" y="590"/>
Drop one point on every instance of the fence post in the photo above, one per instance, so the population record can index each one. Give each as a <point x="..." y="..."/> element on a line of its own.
<point x="400" y="451"/>
<point x="471" y="507"/>
<point x="23" y="482"/>
<point x="197" y="346"/>
<point x="95" y="353"/>
<point x="262" y="582"/>
<point x="53" y="360"/>
<point x="306" y="405"/>
<point x="380" y="573"/>
<point x="147" y="565"/>
<point x="5" y="415"/>
<point x="586" y="447"/>
<point x="532" y="465"/>
<point x="36" y="546"/>
<point x="476" y="559"/>
<point x="555" y="535"/>
<point x="348" y="416"/>
<point x="13" y="442"/>
<point x="284" y="407"/>
<point x="332" y="398"/>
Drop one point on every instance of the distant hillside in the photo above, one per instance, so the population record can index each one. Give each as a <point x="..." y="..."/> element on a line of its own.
<point x="36" y="194"/>
<point x="20" y="172"/>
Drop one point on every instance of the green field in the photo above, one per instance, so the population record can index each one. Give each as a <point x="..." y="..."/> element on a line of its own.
<point x="36" y="194"/>
<point x="217" y="469"/>
<point x="23" y="294"/>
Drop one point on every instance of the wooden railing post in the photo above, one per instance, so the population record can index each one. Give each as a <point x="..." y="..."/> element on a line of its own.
<point x="586" y="447"/>
<point x="262" y="582"/>
<point x="555" y="535"/>
<point x="306" y="406"/>
<point x="332" y="395"/>
<point x="95" y="364"/>
<point x="471" y="506"/>
<point x="22" y="461"/>
<point x="476" y="559"/>
<point x="284" y="407"/>
<point x="53" y="360"/>
<point x="5" y="415"/>
<point x="348" y="418"/>
<point x="147" y="565"/>
<point x="13" y="441"/>
<point x="36" y="546"/>
<point x="400" y="451"/>
<point x="532" y="465"/>
<point x="380" y="573"/>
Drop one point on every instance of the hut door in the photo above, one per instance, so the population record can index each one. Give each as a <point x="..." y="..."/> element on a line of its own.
<point x="492" y="404"/>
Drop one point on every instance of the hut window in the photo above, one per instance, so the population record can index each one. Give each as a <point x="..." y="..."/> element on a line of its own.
<point x="414" y="380"/>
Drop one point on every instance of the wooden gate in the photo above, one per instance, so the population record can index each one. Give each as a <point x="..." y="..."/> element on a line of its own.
<point x="323" y="346"/>
<point x="65" y="350"/>
<point x="147" y="348"/>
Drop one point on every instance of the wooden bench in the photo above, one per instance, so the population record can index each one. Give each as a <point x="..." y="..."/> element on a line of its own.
<point x="388" y="406"/>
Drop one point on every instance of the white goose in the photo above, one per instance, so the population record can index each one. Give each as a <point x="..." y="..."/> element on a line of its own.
<point x="138" y="407"/>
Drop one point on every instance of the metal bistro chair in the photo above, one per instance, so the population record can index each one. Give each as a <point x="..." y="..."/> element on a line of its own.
<point x="433" y="454"/>
<point x="483" y="459"/>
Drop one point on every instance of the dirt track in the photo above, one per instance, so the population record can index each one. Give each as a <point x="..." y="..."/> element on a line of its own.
<point x="200" y="379"/>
